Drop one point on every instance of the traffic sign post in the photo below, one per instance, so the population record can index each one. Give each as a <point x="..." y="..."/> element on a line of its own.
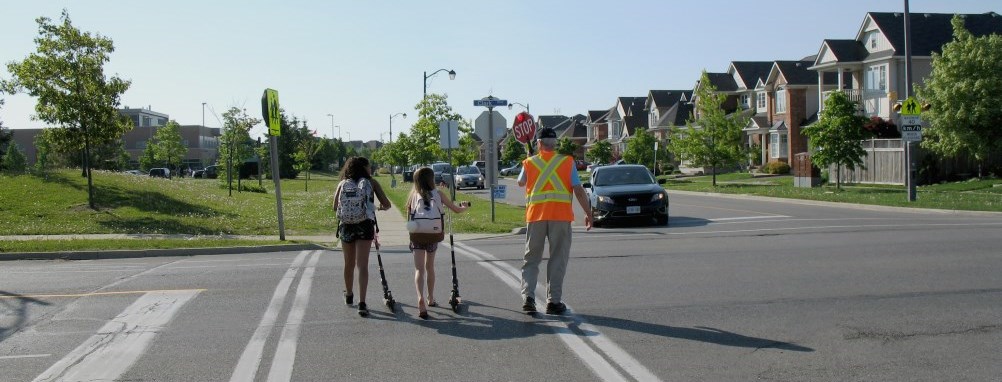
<point x="490" y="102"/>
<point x="448" y="133"/>
<point x="272" y="117"/>
<point x="911" y="131"/>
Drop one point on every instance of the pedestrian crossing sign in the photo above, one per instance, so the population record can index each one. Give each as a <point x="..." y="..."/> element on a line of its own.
<point x="911" y="107"/>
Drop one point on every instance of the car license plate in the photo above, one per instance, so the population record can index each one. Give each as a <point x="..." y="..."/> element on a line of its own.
<point x="633" y="209"/>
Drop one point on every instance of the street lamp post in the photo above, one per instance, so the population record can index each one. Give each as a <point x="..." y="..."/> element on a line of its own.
<point x="203" y="114"/>
<point x="332" y="127"/>
<point x="526" y="106"/>
<point x="452" y="76"/>
<point x="393" y="179"/>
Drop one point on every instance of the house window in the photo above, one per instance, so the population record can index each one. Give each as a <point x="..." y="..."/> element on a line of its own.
<point x="653" y="118"/>
<point x="873" y="41"/>
<point x="876" y="78"/>
<point x="778" y="145"/>
<point x="780" y="105"/>
<point x="761" y="100"/>
<point x="745" y="101"/>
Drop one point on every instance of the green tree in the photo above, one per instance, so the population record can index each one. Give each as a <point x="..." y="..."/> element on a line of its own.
<point x="600" y="152"/>
<point x="167" y="146"/>
<point x="147" y="159"/>
<point x="13" y="159"/>
<point x="640" y="149"/>
<point x="5" y="135"/>
<point x="307" y="150"/>
<point x="467" y="152"/>
<point x="714" y="140"/>
<point x="566" y="146"/>
<point x="66" y="75"/>
<point x="42" y="151"/>
<point x="235" y="144"/>
<point x="513" y="151"/>
<point x="964" y="91"/>
<point x="837" y="134"/>
<point x="425" y="141"/>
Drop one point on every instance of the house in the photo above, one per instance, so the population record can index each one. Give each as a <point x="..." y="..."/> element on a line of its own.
<point x="627" y="115"/>
<point x="786" y="100"/>
<point x="870" y="68"/>
<point x="667" y="110"/>
<point x="577" y="132"/>
<point x="598" y="126"/>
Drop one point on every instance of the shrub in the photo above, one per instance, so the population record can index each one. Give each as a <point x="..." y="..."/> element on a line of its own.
<point x="776" y="168"/>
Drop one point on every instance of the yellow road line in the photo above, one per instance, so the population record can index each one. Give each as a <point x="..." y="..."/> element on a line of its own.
<point x="102" y="293"/>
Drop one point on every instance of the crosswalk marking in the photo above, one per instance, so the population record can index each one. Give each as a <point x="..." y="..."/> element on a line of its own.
<point x="119" y="343"/>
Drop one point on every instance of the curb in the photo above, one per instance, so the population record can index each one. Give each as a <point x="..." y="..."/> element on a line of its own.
<point x="127" y="254"/>
<point x="867" y="207"/>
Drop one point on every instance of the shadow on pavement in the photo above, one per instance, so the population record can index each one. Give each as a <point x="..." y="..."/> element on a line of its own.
<point x="471" y="324"/>
<point x="698" y="333"/>
<point x="16" y="306"/>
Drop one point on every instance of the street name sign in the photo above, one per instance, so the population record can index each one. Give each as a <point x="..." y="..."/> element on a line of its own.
<point x="490" y="102"/>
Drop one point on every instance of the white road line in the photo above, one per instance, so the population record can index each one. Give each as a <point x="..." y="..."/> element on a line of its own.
<point x="250" y="359"/>
<point x="120" y="342"/>
<point x="229" y="266"/>
<point x="749" y="218"/>
<point x="588" y="354"/>
<point x="25" y="356"/>
<point x="285" y="353"/>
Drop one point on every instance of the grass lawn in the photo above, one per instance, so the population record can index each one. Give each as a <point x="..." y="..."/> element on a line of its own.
<point x="57" y="204"/>
<point x="17" y="246"/>
<point x="974" y="195"/>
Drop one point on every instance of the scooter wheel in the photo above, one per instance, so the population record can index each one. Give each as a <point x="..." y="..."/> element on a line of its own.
<point x="390" y="304"/>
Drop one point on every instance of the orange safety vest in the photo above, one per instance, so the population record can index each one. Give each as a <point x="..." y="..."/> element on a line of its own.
<point x="548" y="187"/>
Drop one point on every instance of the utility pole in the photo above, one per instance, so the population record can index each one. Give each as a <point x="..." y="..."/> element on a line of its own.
<point x="909" y="153"/>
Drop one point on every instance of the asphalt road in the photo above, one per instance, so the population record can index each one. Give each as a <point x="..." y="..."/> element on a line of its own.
<point x="732" y="290"/>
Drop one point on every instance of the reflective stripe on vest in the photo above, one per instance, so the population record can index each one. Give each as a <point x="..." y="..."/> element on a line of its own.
<point x="548" y="196"/>
<point x="548" y="175"/>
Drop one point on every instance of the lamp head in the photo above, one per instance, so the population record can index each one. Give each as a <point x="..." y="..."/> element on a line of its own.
<point x="405" y="115"/>
<point x="452" y="74"/>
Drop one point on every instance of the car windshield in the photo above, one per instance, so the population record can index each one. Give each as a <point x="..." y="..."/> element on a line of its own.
<point x="440" y="167"/>
<point x="468" y="170"/>
<point x="611" y="176"/>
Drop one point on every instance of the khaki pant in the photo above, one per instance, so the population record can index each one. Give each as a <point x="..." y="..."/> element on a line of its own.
<point x="537" y="234"/>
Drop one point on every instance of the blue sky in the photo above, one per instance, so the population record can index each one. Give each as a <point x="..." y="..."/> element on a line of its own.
<point x="360" y="60"/>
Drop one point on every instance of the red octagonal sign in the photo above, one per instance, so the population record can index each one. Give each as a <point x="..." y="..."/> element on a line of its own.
<point x="524" y="127"/>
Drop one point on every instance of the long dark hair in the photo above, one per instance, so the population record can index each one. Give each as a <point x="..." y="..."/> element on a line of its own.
<point x="355" y="169"/>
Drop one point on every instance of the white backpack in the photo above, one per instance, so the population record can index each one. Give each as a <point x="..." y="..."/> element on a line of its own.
<point x="353" y="201"/>
<point x="426" y="218"/>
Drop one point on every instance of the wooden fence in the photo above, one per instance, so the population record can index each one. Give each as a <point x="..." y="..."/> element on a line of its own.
<point x="884" y="163"/>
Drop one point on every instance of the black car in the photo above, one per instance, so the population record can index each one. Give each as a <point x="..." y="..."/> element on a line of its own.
<point x="443" y="172"/>
<point x="626" y="192"/>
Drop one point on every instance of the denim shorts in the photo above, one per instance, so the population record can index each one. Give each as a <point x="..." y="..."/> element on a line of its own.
<point x="365" y="230"/>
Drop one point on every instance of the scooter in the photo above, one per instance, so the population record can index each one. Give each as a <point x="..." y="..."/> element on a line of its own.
<point x="387" y="295"/>
<point x="455" y="300"/>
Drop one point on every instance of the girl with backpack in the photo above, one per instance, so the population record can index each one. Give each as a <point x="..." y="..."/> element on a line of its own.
<point x="356" y="213"/>
<point x="422" y="204"/>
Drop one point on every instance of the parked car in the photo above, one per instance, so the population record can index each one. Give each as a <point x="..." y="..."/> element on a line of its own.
<point x="160" y="172"/>
<point x="443" y="172"/>
<point x="481" y="165"/>
<point x="211" y="172"/>
<point x="626" y="191"/>
<point x="469" y="176"/>
<point x="134" y="172"/>
<point x="593" y="166"/>
<point x="513" y="170"/>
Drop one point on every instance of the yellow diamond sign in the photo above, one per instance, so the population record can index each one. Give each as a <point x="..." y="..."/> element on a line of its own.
<point x="911" y="107"/>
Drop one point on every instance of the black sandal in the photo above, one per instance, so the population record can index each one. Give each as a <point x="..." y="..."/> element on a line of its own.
<point x="348" y="298"/>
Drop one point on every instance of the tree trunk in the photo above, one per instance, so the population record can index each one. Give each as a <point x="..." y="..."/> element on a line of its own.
<point x="86" y="166"/>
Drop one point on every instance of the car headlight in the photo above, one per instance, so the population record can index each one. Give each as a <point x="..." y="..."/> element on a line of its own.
<point x="658" y="196"/>
<point x="605" y="199"/>
<point x="480" y="179"/>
